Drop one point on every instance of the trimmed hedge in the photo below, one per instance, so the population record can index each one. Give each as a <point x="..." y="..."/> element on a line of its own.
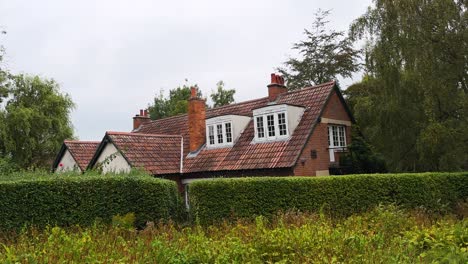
<point x="80" y="200"/>
<point x="214" y="200"/>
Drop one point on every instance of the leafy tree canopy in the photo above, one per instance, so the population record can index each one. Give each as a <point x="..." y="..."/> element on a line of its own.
<point x="413" y="101"/>
<point x="175" y="104"/>
<point x="34" y="121"/>
<point x="324" y="55"/>
<point x="222" y="96"/>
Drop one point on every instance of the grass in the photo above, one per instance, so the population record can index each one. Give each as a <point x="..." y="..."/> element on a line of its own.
<point x="383" y="235"/>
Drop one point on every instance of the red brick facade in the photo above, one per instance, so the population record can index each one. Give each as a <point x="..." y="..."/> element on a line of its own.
<point x="318" y="141"/>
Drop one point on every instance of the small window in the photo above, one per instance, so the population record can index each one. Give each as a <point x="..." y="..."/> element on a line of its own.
<point x="260" y="128"/>
<point x="228" y="129"/>
<point x="219" y="132"/>
<point x="271" y="125"/>
<point x="282" y="124"/>
<point x="336" y="136"/>
<point x="211" y="135"/>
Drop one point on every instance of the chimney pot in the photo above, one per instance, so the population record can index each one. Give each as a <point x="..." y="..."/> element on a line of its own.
<point x="193" y="92"/>
<point x="276" y="87"/>
<point x="140" y="119"/>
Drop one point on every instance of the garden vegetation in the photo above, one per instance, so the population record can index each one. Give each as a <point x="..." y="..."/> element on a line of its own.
<point x="382" y="235"/>
<point x="214" y="200"/>
<point x="39" y="199"/>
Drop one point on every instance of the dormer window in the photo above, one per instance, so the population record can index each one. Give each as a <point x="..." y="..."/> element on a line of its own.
<point x="276" y="122"/>
<point x="222" y="131"/>
<point x="220" y="134"/>
<point x="276" y="126"/>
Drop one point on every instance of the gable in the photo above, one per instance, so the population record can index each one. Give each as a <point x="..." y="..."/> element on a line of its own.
<point x="111" y="160"/>
<point x="335" y="109"/>
<point x="67" y="163"/>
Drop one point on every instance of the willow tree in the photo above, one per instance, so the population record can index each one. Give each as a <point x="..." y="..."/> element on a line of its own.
<point x="35" y="120"/>
<point x="413" y="102"/>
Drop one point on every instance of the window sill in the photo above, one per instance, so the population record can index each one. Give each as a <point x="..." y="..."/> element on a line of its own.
<point x="339" y="149"/>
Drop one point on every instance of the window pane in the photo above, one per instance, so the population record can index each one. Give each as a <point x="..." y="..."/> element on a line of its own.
<point x="211" y="135"/>
<point x="219" y="131"/>
<point x="260" y="129"/>
<point x="335" y="136"/>
<point x="282" y="124"/>
<point x="271" y="125"/>
<point x="342" y="136"/>
<point x="228" y="132"/>
<point x="328" y="136"/>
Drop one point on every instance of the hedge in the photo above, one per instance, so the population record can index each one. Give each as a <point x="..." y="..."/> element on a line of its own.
<point x="65" y="201"/>
<point x="214" y="200"/>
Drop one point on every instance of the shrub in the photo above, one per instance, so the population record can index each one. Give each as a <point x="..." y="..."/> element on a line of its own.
<point x="69" y="200"/>
<point x="213" y="200"/>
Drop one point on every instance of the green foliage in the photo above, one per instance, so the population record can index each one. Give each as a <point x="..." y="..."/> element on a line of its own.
<point x="325" y="54"/>
<point x="70" y="199"/>
<point x="214" y="200"/>
<point x="361" y="158"/>
<point x="175" y="104"/>
<point x="413" y="102"/>
<point x="383" y="235"/>
<point x="222" y="96"/>
<point x="34" y="122"/>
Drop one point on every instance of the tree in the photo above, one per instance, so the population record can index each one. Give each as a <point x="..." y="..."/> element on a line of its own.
<point x="361" y="158"/>
<point x="175" y="104"/>
<point x="413" y="101"/>
<point x="3" y="74"/>
<point x="326" y="54"/>
<point x="35" y="121"/>
<point x="222" y="96"/>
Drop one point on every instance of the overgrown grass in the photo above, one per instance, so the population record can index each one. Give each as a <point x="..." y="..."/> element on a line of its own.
<point x="383" y="235"/>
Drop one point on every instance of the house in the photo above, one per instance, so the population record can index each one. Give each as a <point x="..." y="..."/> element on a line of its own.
<point x="285" y="133"/>
<point x="75" y="155"/>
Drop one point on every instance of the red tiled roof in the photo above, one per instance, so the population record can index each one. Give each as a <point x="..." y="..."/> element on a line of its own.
<point x="158" y="154"/>
<point x="244" y="154"/>
<point x="81" y="151"/>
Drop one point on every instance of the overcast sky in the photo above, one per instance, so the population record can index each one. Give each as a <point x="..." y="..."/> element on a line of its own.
<point x="112" y="57"/>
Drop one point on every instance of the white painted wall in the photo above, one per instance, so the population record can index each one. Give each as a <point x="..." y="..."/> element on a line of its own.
<point x="294" y="117"/>
<point x="112" y="160"/>
<point x="68" y="163"/>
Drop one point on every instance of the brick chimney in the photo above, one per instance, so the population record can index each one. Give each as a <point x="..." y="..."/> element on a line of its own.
<point x="196" y="120"/>
<point x="140" y="119"/>
<point x="276" y="87"/>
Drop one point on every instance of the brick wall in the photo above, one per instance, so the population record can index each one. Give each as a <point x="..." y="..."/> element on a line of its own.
<point x="308" y="166"/>
<point x="196" y="119"/>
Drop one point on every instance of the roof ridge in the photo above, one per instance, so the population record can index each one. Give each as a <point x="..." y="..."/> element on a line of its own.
<point x="139" y="134"/>
<point x="309" y="88"/>
<point x="81" y="141"/>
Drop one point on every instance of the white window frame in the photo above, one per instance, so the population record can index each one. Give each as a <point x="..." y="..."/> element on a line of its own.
<point x="332" y="145"/>
<point x="224" y="135"/>
<point x="266" y="133"/>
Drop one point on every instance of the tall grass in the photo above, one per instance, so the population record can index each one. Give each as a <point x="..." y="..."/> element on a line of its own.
<point x="383" y="235"/>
